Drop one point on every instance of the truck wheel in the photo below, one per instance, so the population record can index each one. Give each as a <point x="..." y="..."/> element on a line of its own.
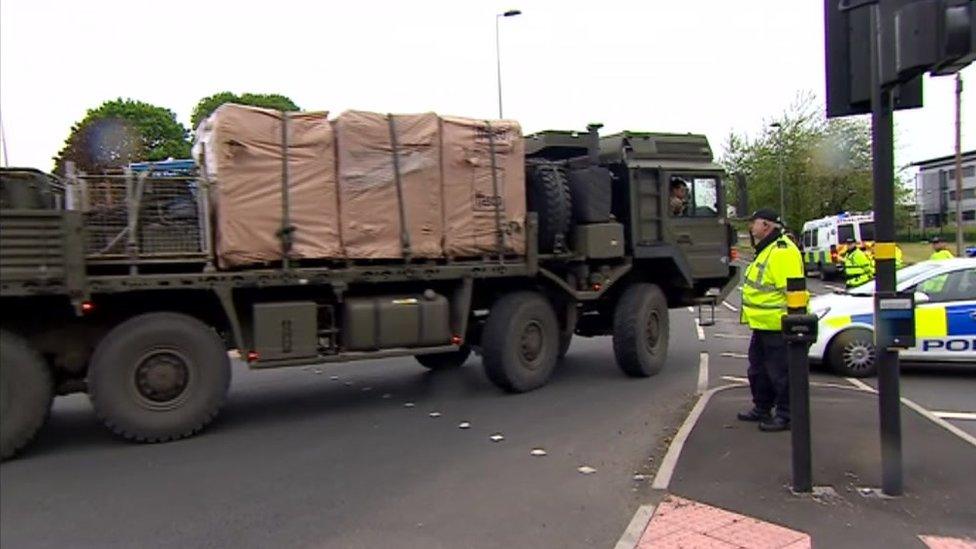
<point x="640" y="330"/>
<point x="520" y="342"/>
<point x="445" y="361"/>
<point x="159" y="377"/>
<point x="564" y="341"/>
<point x="26" y="391"/>
<point x="548" y="195"/>
<point x="851" y="353"/>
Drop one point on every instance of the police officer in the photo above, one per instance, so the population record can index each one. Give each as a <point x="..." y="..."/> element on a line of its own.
<point x="939" y="250"/>
<point x="858" y="268"/>
<point x="763" y="306"/>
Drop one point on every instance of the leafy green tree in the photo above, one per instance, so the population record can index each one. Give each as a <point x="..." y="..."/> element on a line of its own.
<point x="825" y="165"/>
<point x="209" y="104"/>
<point x="122" y="131"/>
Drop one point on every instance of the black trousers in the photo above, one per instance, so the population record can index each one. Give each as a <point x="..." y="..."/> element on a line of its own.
<point x="768" y="372"/>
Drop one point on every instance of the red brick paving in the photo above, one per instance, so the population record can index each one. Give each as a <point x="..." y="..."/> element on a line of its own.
<point x="684" y="524"/>
<point x="938" y="542"/>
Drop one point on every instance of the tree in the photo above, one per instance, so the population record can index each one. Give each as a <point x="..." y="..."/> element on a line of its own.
<point x="120" y="132"/>
<point x="208" y="105"/>
<point x="825" y="164"/>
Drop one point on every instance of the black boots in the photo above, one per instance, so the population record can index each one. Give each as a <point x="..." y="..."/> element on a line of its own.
<point x="754" y="415"/>
<point x="774" y="425"/>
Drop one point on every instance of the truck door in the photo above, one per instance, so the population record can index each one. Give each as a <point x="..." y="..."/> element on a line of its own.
<point x="695" y="209"/>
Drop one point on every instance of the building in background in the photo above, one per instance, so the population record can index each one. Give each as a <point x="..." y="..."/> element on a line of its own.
<point x="935" y="191"/>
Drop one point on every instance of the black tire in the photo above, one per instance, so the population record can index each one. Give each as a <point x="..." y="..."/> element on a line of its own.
<point x="640" y="330"/>
<point x="852" y="354"/>
<point x="26" y="391"/>
<point x="159" y="377"/>
<point x="445" y="361"/>
<point x="565" y="339"/>
<point x="520" y="342"/>
<point x="548" y="195"/>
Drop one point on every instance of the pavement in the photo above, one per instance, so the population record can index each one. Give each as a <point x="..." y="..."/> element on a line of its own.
<point x="729" y="484"/>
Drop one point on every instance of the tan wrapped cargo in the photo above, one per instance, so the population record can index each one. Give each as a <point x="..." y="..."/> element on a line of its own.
<point x="469" y="198"/>
<point x="373" y="224"/>
<point x="241" y="149"/>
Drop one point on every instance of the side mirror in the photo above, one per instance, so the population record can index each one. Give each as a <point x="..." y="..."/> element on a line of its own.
<point x="921" y="297"/>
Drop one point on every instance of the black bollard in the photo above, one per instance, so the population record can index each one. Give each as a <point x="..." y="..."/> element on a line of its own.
<point x="800" y="331"/>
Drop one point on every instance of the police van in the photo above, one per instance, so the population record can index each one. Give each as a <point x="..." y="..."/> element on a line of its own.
<point x="825" y="241"/>
<point x="945" y="319"/>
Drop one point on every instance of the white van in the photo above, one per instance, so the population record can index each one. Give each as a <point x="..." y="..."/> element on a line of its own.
<point x="824" y="241"/>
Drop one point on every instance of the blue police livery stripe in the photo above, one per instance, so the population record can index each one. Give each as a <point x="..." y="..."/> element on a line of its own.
<point x="960" y="320"/>
<point x="867" y="318"/>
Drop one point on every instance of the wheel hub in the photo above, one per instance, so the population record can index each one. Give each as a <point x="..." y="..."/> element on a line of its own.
<point x="859" y="355"/>
<point x="162" y="376"/>
<point x="531" y="342"/>
<point x="652" y="331"/>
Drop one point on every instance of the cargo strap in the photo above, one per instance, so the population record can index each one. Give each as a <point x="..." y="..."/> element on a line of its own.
<point x="286" y="231"/>
<point x="394" y="145"/>
<point x="496" y="198"/>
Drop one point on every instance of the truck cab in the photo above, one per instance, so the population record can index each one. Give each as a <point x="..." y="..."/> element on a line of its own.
<point x="668" y="193"/>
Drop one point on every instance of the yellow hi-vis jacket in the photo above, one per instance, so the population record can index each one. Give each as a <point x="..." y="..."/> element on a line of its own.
<point x="941" y="254"/>
<point x="857" y="267"/>
<point x="899" y="259"/>
<point x="764" y="284"/>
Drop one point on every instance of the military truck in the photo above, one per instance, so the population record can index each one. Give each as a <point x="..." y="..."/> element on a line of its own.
<point x="140" y="319"/>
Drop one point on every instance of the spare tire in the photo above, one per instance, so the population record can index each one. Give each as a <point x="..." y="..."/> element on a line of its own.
<point x="548" y="195"/>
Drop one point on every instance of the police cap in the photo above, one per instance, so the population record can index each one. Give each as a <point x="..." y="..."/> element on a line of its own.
<point x="767" y="214"/>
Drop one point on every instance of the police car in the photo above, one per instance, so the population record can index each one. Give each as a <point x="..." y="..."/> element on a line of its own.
<point x="945" y="319"/>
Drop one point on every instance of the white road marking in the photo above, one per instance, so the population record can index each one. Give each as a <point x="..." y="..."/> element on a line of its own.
<point x="691" y="309"/>
<point x="964" y="416"/>
<point x="731" y="336"/>
<point x="924" y="412"/>
<point x="735" y="379"/>
<point x="734" y="355"/>
<point x="730" y="306"/>
<point x="663" y="477"/>
<point x="636" y="527"/>
<point x="860" y="384"/>
<point x="702" y="372"/>
<point x="701" y="332"/>
<point x="940" y="422"/>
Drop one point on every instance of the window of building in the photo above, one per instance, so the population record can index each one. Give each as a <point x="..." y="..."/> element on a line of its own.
<point x="967" y="171"/>
<point x="969" y="215"/>
<point x="966" y="194"/>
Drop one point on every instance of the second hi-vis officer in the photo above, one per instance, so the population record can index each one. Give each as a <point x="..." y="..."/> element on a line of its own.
<point x="763" y="307"/>
<point x="858" y="268"/>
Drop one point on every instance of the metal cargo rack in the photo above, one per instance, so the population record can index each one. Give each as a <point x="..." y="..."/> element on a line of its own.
<point x="135" y="218"/>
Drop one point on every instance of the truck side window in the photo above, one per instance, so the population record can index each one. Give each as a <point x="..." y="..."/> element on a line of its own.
<point x="693" y="196"/>
<point x="705" y="197"/>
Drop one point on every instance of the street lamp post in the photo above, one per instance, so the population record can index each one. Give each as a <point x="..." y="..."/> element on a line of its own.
<point x="779" y="155"/>
<point x="498" y="54"/>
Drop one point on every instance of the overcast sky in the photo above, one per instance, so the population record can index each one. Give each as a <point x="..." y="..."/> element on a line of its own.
<point x="678" y="66"/>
